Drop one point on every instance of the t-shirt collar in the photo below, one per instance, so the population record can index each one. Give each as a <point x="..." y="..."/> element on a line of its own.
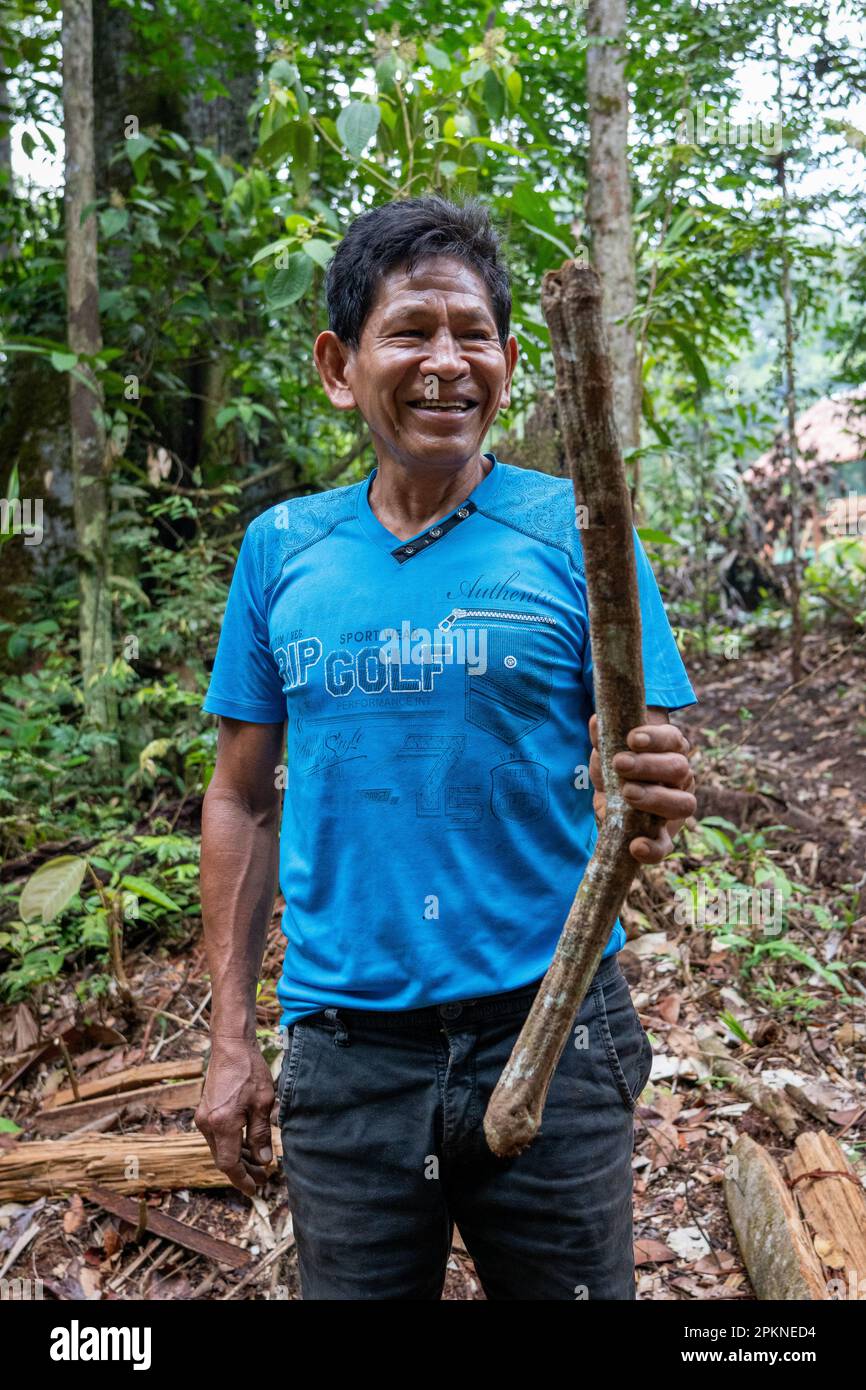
<point x="373" y="527"/>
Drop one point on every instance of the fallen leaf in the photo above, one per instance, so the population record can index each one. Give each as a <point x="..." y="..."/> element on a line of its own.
<point x="669" y="1007"/>
<point x="654" y="943"/>
<point x="667" y="1104"/>
<point x="90" y="1281"/>
<point x="651" y="1252"/>
<point x="717" y="1262"/>
<point x="111" y="1241"/>
<point x="74" y="1216"/>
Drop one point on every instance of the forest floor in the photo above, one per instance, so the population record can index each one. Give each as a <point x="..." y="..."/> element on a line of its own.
<point x="793" y="1007"/>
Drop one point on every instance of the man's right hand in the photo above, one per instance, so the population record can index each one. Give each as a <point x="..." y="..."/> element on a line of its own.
<point x="238" y="1096"/>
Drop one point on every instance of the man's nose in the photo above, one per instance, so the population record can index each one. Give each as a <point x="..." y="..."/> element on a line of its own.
<point x="444" y="357"/>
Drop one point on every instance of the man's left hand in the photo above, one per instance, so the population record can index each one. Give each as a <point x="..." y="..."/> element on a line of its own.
<point x="656" y="777"/>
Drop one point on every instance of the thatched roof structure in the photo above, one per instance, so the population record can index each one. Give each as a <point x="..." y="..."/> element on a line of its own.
<point x="830" y="433"/>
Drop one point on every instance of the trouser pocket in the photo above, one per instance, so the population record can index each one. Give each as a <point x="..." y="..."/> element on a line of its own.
<point x="624" y="1039"/>
<point x="289" y="1070"/>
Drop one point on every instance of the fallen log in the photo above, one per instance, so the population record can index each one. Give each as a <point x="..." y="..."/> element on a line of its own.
<point x="126" y="1163"/>
<point x="571" y="302"/>
<point x="833" y="1203"/>
<point x="775" y="1245"/>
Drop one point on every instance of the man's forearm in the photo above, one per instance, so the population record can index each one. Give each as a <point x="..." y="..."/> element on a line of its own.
<point x="239" y="861"/>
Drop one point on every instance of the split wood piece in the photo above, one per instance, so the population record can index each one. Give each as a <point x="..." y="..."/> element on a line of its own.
<point x="751" y="1088"/>
<point x="776" y="1247"/>
<point x="572" y="306"/>
<point x="140" y="1215"/>
<point x="164" y="1161"/>
<point x="129" y="1079"/>
<point x="126" y="1163"/>
<point x="62" y="1119"/>
<point x="834" y="1208"/>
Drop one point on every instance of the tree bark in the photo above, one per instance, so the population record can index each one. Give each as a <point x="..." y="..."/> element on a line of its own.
<point x="7" y="248"/>
<point x="794" y="499"/>
<point x="609" y="204"/>
<point x="794" y="489"/>
<point x="90" y="460"/>
<point x="572" y="303"/>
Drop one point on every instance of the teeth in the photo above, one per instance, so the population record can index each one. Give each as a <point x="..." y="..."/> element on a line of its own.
<point x="443" y="405"/>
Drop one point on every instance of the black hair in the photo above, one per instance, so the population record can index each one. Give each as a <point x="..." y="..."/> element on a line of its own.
<point x="398" y="235"/>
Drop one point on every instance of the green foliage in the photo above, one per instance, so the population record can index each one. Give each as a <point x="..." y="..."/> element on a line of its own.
<point x="47" y="892"/>
<point x="744" y="896"/>
<point x="836" y="575"/>
<point x="62" y="920"/>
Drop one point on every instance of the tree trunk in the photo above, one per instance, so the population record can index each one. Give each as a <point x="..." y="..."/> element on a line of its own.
<point x="147" y="90"/>
<point x="609" y="206"/>
<point x="7" y="248"/>
<point x="90" y="460"/>
<point x="793" y="473"/>
<point x="793" y="470"/>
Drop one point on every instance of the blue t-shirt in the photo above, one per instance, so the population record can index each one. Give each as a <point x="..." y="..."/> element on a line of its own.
<point x="437" y="817"/>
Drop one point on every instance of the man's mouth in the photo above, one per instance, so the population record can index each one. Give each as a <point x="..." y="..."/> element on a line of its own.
<point x="460" y="407"/>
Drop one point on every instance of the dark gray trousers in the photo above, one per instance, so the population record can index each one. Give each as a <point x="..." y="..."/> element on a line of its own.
<point x="383" y="1150"/>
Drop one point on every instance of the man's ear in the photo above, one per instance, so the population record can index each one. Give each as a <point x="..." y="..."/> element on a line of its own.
<point x="511" y="352"/>
<point x="330" y="356"/>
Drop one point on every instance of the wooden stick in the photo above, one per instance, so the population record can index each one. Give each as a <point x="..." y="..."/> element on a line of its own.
<point x="276" y="1254"/>
<point x="73" y="1079"/>
<point x="774" y="1104"/>
<point x="571" y="301"/>
<point x="168" y="1227"/>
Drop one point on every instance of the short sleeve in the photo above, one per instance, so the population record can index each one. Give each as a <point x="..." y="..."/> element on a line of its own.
<point x="245" y="682"/>
<point x="665" y="681"/>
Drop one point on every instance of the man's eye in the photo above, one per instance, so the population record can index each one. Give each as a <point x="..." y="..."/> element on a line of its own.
<point x="409" y="333"/>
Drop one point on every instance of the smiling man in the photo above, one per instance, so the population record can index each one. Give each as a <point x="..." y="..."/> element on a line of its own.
<point x="424" y="635"/>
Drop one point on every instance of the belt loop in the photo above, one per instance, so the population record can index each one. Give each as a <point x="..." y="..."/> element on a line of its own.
<point x="341" y="1032"/>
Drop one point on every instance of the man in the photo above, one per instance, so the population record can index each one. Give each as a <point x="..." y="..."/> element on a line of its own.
<point x="425" y="635"/>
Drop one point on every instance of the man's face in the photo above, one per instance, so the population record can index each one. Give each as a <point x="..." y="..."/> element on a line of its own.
<point x="429" y="375"/>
